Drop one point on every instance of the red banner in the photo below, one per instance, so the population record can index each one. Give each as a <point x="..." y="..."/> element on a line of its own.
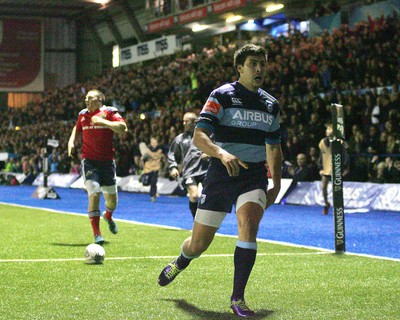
<point x="225" y="5"/>
<point x="21" y="67"/>
<point x="160" y="24"/>
<point x="192" y="15"/>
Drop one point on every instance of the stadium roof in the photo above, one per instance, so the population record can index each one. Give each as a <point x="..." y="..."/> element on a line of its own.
<point x="123" y="21"/>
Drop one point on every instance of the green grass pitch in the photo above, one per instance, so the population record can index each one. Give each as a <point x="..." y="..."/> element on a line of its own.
<point x="43" y="276"/>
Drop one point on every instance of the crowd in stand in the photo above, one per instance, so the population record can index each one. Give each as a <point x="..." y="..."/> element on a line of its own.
<point x="357" y="68"/>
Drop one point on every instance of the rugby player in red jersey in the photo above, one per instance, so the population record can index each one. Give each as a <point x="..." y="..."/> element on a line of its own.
<point x="96" y="125"/>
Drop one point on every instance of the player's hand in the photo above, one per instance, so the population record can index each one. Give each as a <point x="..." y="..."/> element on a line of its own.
<point x="174" y="173"/>
<point x="71" y="149"/>
<point x="232" y="164"/>
<point x="97" y="120"/>
<point x="271" y="195"/>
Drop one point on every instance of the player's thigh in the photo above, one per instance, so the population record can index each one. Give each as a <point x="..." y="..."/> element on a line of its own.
<point x="249" y="216"/>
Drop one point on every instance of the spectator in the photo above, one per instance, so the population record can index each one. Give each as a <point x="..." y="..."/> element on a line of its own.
<point x="391" y="171"/>
<point x="372" y="141"/>
<point x="326" y="165"/>
<point x="302" y="171"/>
<point x="10" y="165"/>
<point x="319" y="10"/>
<point x="152" y="159"/>
<point x="54" y="161"/>
<point x="392" y="145"/>
<point x="333" y="6"/>
<point x="380" y="173"/>
<point x="75" y="167"/>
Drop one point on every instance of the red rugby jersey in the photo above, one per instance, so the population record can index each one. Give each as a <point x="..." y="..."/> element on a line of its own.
<point x="97" y="141"/>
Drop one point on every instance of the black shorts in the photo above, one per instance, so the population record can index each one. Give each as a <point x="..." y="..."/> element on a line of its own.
<point x="103" y="172"/>
<point x="220" y="191"/>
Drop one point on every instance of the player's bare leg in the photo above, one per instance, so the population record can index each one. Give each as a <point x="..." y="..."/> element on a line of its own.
<point x="192" y="248"/>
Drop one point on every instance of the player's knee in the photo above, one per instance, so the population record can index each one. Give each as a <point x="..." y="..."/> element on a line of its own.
<point x="197" y="247"/>
<point x="111" y="205"/>
<point x="194" y="247"/>
<point x="92" y="187"/>
<point x="111" y="202"/>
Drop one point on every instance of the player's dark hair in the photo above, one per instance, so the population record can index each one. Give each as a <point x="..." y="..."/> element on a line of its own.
<point x="247" y="50"/>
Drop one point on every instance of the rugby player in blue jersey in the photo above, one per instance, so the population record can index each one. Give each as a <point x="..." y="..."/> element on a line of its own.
<point x="244" y="121"/>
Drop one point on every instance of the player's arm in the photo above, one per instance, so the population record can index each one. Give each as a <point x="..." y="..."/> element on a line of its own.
<point x="173" y="157"/>
<point x="116" y="126"/>
<point x="71" y="142"/>
<point x="274" y="160"/>
<point x="202" y="140"/>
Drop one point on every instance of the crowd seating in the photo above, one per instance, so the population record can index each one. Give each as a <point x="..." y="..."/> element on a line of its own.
<point x="357" y="68"/>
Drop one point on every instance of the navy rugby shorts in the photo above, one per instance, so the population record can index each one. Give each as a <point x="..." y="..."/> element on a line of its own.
<point x="103" y="172"/>
<point x="220" y="191"/>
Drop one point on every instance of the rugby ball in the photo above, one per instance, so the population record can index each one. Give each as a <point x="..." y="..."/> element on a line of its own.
<point x="94" y="254"/>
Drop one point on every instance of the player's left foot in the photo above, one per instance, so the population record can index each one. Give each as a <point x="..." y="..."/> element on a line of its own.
<point x="240" y="308"/>
<point x="168" y="274"/>
<point x="326" y="208"/>
<point x="111" y="224"/>
<point x="98" y="239"/>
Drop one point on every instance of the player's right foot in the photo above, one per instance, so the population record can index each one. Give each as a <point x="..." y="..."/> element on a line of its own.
<point x="168" y="274"/>
<point x="111" y="224"/>
<point x="240" y="308"/>
<point x="98" y="239"/>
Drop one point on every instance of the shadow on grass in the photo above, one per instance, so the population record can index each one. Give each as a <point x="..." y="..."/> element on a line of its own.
<point x="205" y="314"/>
<point x="70" y="244"/>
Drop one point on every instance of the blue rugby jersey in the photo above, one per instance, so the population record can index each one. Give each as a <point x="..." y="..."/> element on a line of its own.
<point x="242" y="121"/>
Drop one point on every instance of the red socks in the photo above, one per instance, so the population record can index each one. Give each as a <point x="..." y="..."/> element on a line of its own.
<point x="95" y="221"/>
<point x="108" y="214"/>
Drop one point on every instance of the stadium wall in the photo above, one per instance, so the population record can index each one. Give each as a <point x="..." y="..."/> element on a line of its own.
<point x="361" y="196"/>
<point x="358" y="196"/>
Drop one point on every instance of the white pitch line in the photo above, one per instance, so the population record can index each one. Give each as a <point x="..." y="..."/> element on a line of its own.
<point x="161" y="257"/>
<point x="284" y="243"/>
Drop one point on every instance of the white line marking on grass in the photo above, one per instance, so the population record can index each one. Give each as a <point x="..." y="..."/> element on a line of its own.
<point x="322" y="250"/>
<point x="161" y="257"/>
